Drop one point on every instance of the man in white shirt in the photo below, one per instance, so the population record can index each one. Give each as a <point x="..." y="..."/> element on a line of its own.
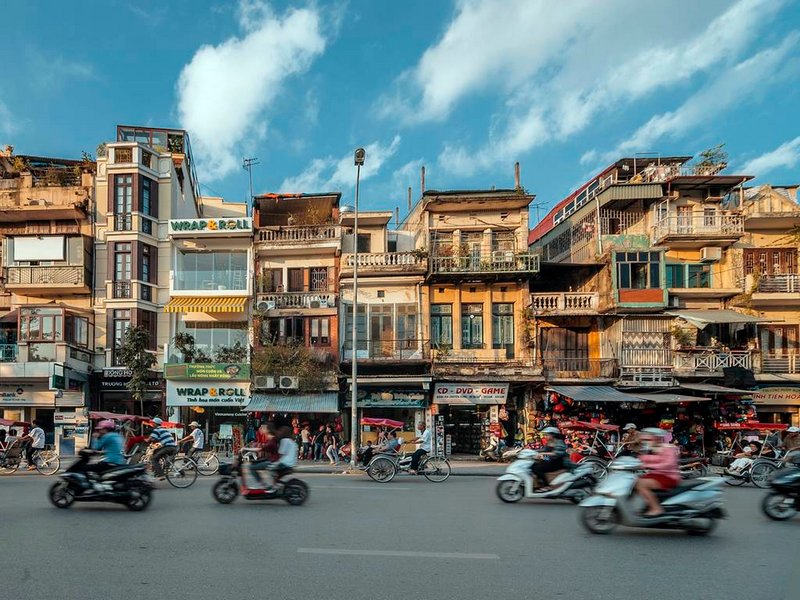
<point x="424" y="441"/>
<point x="36" y="437"/>
<point x="197" y="437"/>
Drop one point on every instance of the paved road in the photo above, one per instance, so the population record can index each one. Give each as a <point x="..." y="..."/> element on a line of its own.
<point x="357" y="540"/>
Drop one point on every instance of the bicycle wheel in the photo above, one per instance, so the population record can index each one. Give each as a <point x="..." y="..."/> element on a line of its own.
<point x="382" y="469"/>
<point x="207" y="463"/>
<point x="760" y="474"/>
<point x="9" y="468"/>
<point x="436" y="469"/>
<point x="47" y="462"/>
<point x="181" y="472"/>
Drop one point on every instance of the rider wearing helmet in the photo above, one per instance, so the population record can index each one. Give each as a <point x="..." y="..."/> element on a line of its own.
<point x="109" y="442"/>
<point x="551" y="457"/>
<point x="661" y="461"/>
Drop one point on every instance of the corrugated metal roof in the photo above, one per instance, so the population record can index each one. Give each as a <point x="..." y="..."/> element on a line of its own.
<point x="594" y="393"/>
<point x="712" y="388"/>
<point x="673" y="398"/>
<point x="701" y="318"/>
<point x="321" y="402"/>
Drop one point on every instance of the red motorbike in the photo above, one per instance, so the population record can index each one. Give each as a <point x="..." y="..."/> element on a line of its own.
<point x="233" y="481"/>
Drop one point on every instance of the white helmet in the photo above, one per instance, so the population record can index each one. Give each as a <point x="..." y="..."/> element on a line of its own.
<point x="629" y="426"/>
<point x="551" y="431"/>
<point x="793" y="430"/>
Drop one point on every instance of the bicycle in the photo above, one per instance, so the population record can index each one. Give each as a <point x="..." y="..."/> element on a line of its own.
<point x="207" y="462"/>
<point x="46" y="462"/>
<point x="383" y="467"/>
<point x="180" y="471"/>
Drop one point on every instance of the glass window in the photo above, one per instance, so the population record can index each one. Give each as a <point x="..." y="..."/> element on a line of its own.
<point x="675" y="276"/>
<point x="441" y="325"/>
<point x="361" y="327"/>
<point x="124" y="194"/>
<point x="699" y="276"/>
<point x="320" y="332"/>
<point x="146" y="208"/>
<point x="122" y="261"/>
<point x="210" y="337"/>
<point x="363" y="242"/>
<point x="638" y="270"/>
<point x="471" y="326"/>
<point x="146" y="263"/>
<point x="122" y="322"/>
<point x="211" y="271"/>
<point x="43" y="324"/>
<point x="503" y="326"/>
<point x="406" y="324"/>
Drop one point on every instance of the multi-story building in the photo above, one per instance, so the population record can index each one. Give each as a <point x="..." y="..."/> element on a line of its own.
<point x="475" y="296"/>
<point x="394" y="359"/>
<point x="47" y="324"/>
<point x="145" y="178"/>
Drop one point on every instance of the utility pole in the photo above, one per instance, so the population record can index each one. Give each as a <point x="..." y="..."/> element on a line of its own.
<point x="360" y="155"/>
<point x="247" y="165"/>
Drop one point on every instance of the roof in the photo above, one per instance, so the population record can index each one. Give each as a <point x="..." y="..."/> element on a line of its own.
<point x="670" y="398"/>
<point x="470" y="192"/>
<point x="320" y="402"/>
<point x="711" y="388"/>
<point x="593" y="393"/>
<point x="702" y="318"/>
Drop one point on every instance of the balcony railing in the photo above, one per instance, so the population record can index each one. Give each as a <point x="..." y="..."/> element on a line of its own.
<point x="8" y="353"/>
<point x="583" y="368"/>
<point x="46" y="276"/>
<point x="495" y="262"/>
<point x="780" y="363"/>
<point x="786" y="284"/>
<point x="389" y="262"/>
<point x="121" y="289"/>
<point x="711" y="226"/>
<point x="711" y="360"/>
<point x="299" y="234"/>
<point x="405" y="349"/>
<point x="646" y="357"/>
<point x="566" y="302"/>
<point x="296" y="300"/>
<point x="123" y="222"/>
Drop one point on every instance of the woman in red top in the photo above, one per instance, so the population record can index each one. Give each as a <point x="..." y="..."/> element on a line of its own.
<point x="661" y="462"/>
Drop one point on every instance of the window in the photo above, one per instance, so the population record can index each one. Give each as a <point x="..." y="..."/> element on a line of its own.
<point x="406" y="325"/>
<point x="638" y="270"/>
<point x="361" y="327"/>
<point x="709" y="217"/>
<point x="676" y="276"/>
<point x="146" y="208"/>
<point x="502" y="241"/>
<point x="471" y="326"/>
<point x="391" y="245"/>
<point x="41" y="324"/>
<point x="145" y="263"/>
<point x="320" y="332"/>
<point x="441" y="325"/>
<point x="147" y="320"/>
<point x="772" y="261"/>
<point x="565" y="349"/>
<point x="319" y="279"/>
<point x="363" y="242"/>
<point x="209" y="337"/>
<point x="688" y="276"/>
<point x="123" y="206"/>
<point x="122" y="261"/>
<point x="381" y="329"/>
<point x="271" y="280"/>
<point x="295" y="277"/>
<point x="212" y="270"/>
<point x="122" y="322"/>
<point x="503" y="327"/>
<point x="78" y="330"/>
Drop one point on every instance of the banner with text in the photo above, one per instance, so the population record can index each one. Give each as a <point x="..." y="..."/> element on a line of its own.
<point x="208" y="371"/>
<point x="207" y="393"/>
<point x="470" y="393"/>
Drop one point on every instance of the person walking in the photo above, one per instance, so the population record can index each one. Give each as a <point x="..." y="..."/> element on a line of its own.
<point x="305" y="441"/>
<point x="319" y="443"/>
<point x="332" y="446"/>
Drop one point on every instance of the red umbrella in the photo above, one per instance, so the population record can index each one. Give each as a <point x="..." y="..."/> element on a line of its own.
<point x="376" y="422"/>
<point x="8" y="423"/>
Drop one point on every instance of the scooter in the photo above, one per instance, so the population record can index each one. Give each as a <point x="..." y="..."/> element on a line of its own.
<point x="694" y="506"/>
<point x="783" y="501"/>
<point x="517" y="483"/>
<point x="127" y="484"/>
<point x="234" y="478"/>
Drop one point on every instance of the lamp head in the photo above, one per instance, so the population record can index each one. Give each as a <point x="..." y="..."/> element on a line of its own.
<point x="360" y="155"/>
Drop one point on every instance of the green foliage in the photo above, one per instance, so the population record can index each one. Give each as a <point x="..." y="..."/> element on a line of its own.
<point x="716" y="155"/>
<point x="681" y="336"/>
<point x="231" y="354"/>
<point x="135" y="355"/>
<point x="292" y="359"/>
<point x="102" y="150"/>
<point x="184" y="343"/>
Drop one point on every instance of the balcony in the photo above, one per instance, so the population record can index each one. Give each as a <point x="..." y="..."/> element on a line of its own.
<point x="297" y="237"/>
<point x="579" y="368"/>
<point x="32" y="198"/>
<point x="385" y="263"/>
<point x="48" y="280"/>
<point x="784" y="363"/>
<point x="710" y="361"/>
<point x="296" y="300"/>
<point x="8" y="353"/>
<point x="777" y="290"/>
<point x="696" y="230"/>
<point x="387" y="350"/>
<point x="567" y="303"/>
<point x="494" y="263"/>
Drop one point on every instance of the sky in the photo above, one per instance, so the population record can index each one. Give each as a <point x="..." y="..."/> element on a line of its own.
<point x="464" y="87"/>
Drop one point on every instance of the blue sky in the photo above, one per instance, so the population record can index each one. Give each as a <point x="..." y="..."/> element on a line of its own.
<point x="465" y="88"/>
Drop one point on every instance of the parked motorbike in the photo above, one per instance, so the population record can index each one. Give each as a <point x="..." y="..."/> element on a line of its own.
<point x="128" y="484"/>
<point x="234" y="479"/>
<point x="694" y="506"/>
<point x="783" y="500"/>
<point x="517" y="482"/>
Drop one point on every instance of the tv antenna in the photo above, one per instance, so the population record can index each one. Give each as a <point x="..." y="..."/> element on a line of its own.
<point x="247" y="165"/>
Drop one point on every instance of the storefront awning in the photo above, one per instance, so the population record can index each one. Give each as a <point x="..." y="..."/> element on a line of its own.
<point x="324" y="402"/>
<point x="673" y="398"/>
<point x="702" y="318"/>
<point x="207" y="304"/>
<point x="593" y="393"/>
<point x="711" y="388"/>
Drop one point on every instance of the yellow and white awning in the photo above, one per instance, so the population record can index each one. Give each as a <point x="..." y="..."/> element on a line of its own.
<point x="207" y="304"/>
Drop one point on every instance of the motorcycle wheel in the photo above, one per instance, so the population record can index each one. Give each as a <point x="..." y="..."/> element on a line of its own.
<point x="779" y="507"/>
<point x="139" y="499"/>
<point x="760" y="474"/>
<point x="510" y="491"/>
<point x="382" y="470"/>
<point x="711" y="525"/>
<point x="61" y="495"/>
<point x="225" y="491"/>
<point x="599" y="468"/>
<point x="579" y="496"/>
<point x="295" y="492"/>
<point x="599" y="519"/>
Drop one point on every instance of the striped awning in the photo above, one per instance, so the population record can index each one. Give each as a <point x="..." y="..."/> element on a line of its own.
<point x="321" y="402"/>
<point x="207" y="304"/>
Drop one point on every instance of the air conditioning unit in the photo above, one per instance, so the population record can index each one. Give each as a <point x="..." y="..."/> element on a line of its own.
<point x="710" y="254"/>
<point x="264" y="382"/>
<point x="323" y="303"/>
<point x="286" y="382"/>
<point x="266" y="305"/>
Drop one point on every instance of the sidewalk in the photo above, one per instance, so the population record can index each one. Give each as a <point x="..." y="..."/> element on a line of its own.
<point x="460" y="468"/>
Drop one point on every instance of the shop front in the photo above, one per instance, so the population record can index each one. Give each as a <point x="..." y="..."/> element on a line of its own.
<point x="314" y="409"/>
<point x="778" y="404"/>
<point x="472" y="413"/>
<point x="112" y="393"/>
<point x="405" y="405"/>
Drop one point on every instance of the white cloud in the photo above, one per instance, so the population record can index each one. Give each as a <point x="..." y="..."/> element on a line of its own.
<point x="560" y="66"/>
<point x="786" y="156"/>
<point x="334" y="174"/>
<point x="52" y="71"/>
<point x="225" y="91"/>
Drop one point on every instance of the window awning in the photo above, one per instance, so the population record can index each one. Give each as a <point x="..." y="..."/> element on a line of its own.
<point x="594" y="393"/>
<point x="322" y="402"/>
<point x="668" y="398"/>
<point x="207" y="304"/>
<point x="711" y="388"/>
<point x="702" y="318"/>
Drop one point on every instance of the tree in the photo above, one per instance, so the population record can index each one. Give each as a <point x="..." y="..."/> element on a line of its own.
<point x="135" y="355"/>
<point x="713" y="157"/>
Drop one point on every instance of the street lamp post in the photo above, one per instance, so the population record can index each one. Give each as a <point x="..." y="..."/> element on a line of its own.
<point x="360" y="155"/>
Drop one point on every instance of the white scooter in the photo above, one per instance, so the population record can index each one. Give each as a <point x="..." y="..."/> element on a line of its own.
<point x="517" y="483"/>
<point x="694" y="505"/>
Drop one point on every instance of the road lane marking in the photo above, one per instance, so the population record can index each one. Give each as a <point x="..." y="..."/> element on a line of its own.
<point x="359" y="487"/>
<point x="399" y="553"/>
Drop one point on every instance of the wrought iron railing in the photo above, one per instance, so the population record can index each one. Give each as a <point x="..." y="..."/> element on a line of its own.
<point x="494" y="262"/>
<point x="788" y="283"/>
<point x="696" y="224"/>
<point x="8" y="353"/>
<point x="296" y="300"/>
<point x="46" y="276"/>
<point x="121" y="289"/>
<point x="300" y="234"/>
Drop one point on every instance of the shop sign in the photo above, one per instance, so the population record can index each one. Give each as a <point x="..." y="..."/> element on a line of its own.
<point x="392" y="400"/>
<point x="210" y="226"/>
<point x="117" y="372"/>
<point x="122" y="384"/>
<point x="19" y="394"/>
<point x="777" y="395"/>
<point x="207" y="393"/>
<point x="208" y="371"/>
<point x="466" y="393"/>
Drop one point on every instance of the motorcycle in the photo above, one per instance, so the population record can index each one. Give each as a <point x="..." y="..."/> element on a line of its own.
<point x="783" y="501"/>
<point x="517" y="483"/>
<point x="234" y="478"/>
<point x="694" y="506"/>
<point x="126" y="484"/>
